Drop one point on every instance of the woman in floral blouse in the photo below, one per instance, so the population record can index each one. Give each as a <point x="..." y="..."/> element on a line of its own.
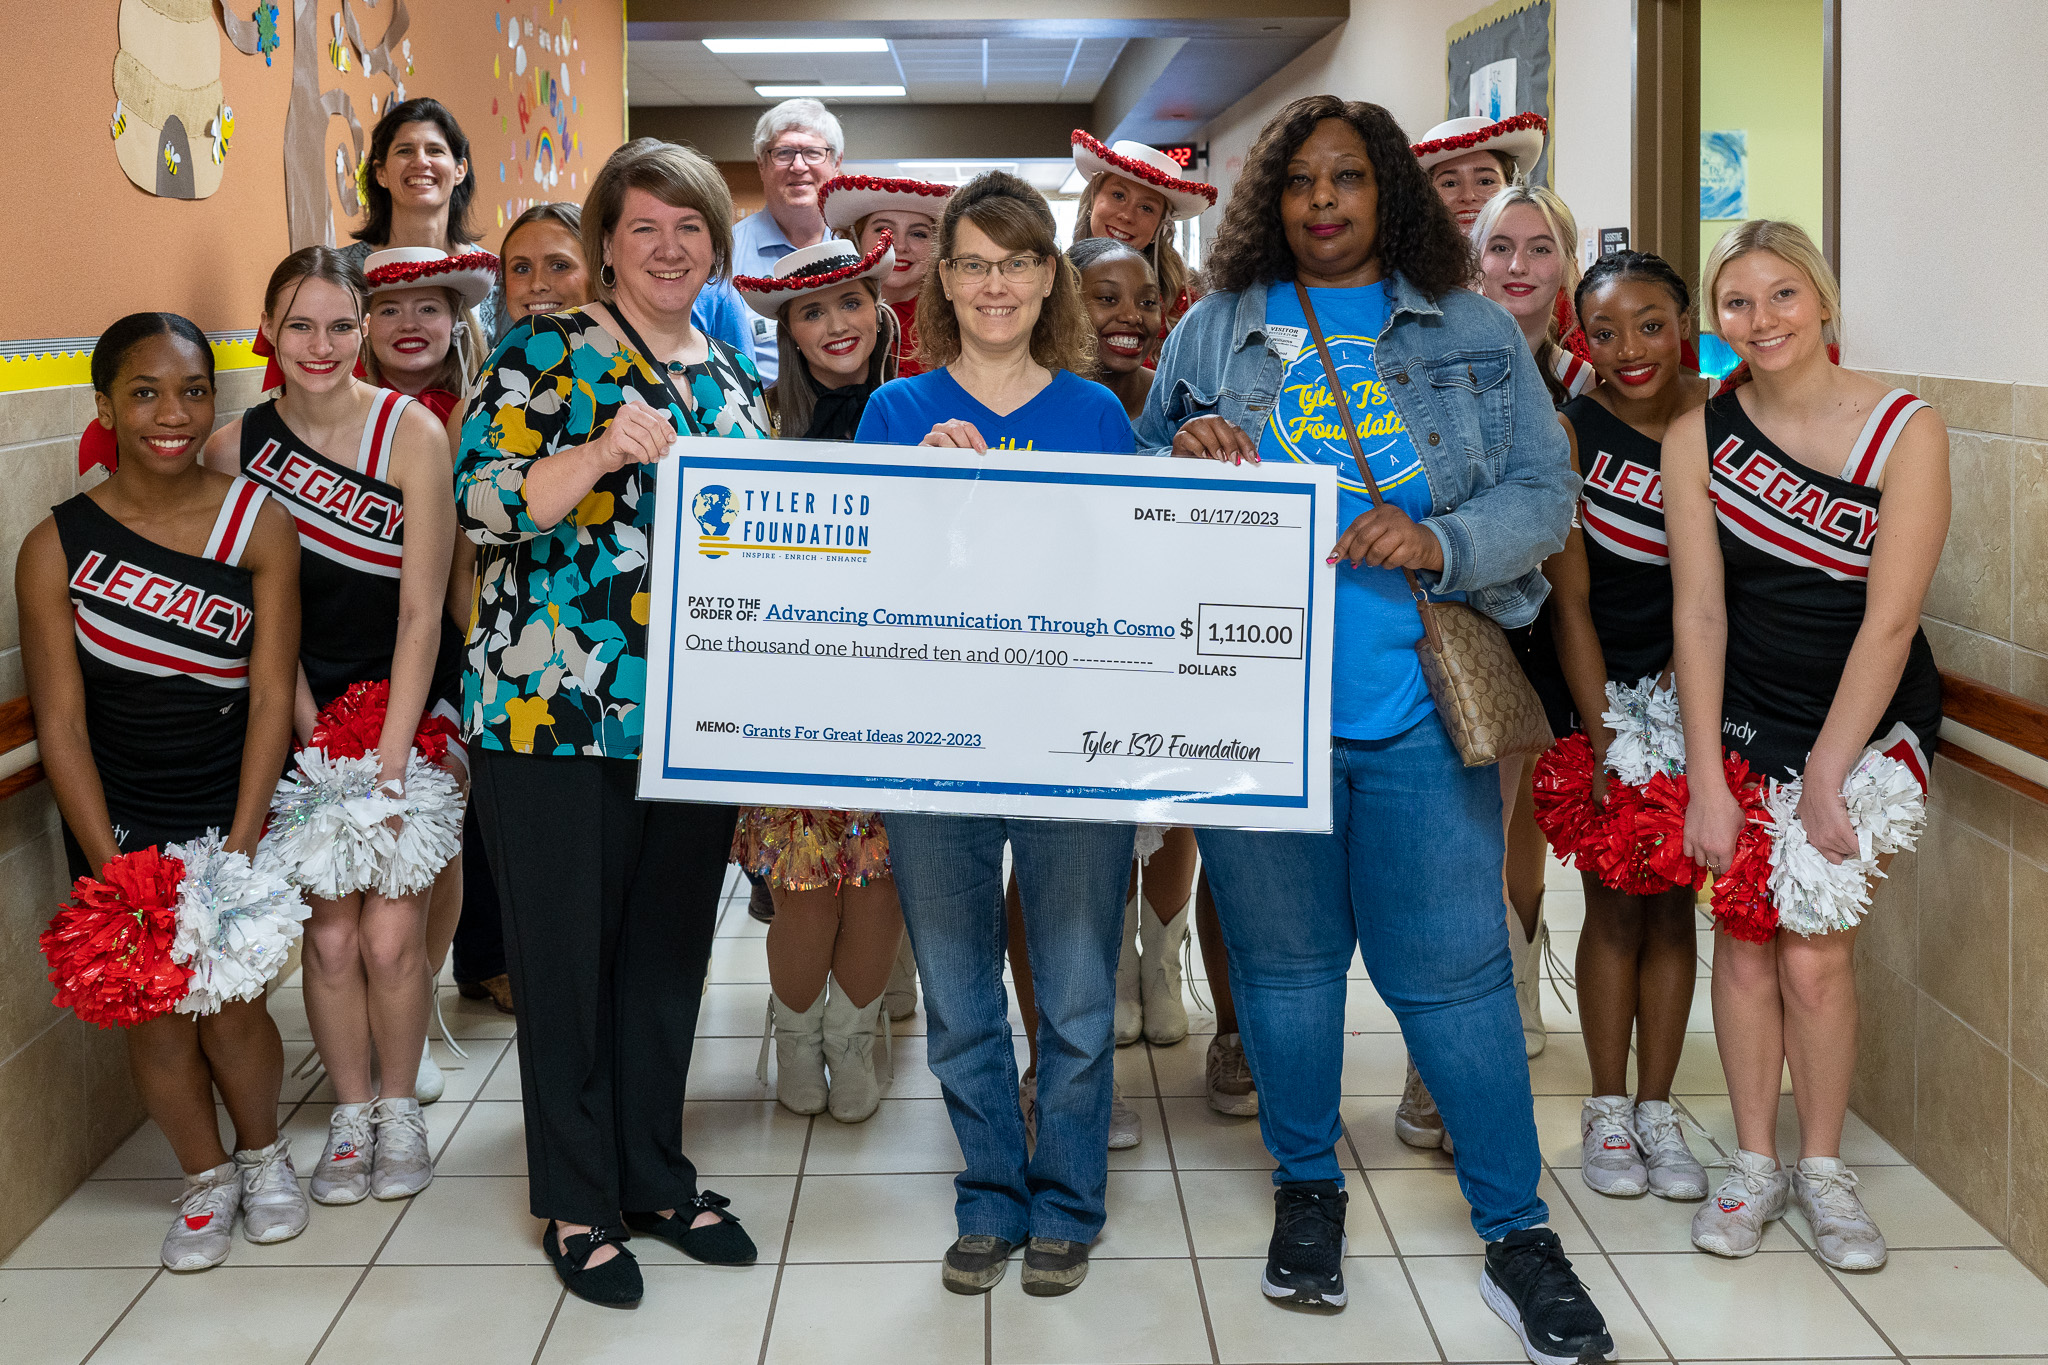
<point x="609" y="902"/>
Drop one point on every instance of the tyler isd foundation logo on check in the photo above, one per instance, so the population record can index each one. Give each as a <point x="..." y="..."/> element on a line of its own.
<point x="781" y="523"/>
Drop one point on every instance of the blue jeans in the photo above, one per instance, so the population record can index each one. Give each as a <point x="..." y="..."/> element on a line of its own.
<point x="1411" y="876"/>
<point x="949" y="876"/>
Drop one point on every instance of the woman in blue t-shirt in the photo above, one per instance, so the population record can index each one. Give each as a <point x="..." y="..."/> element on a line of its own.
<point x="1003" y="328"/>
<point x="1333" y="213"/>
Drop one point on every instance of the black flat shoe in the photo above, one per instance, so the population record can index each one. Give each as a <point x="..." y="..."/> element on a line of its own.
<point x="612" y="1284"/>
<point x="724" y="1242"/>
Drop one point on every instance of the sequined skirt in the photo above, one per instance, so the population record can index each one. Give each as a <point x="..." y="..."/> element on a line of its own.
<point x="799" y="849"/>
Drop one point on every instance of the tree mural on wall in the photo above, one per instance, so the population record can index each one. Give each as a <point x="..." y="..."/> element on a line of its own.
<point x="308" y="211"/>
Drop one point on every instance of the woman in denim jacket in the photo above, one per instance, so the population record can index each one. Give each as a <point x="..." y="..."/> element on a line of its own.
<point x="1459" y="433"/>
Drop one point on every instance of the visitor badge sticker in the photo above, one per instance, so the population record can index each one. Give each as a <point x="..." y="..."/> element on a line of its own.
<point x="1018" y="633"/>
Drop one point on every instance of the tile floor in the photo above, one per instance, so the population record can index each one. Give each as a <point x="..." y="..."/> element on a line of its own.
<point x="851" y="1219"/>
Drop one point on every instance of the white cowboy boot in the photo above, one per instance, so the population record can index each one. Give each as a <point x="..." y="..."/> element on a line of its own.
<point x="1166" y="1014"/>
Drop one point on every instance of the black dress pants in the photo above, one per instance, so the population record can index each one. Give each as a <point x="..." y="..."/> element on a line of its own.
<point x="479" y="948"/>
<point x="609" y="906"/>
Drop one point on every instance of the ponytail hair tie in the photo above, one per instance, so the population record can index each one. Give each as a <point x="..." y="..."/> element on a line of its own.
<point x="97" y="446"/>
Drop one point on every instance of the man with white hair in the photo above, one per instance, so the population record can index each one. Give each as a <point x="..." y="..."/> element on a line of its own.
<point x="797" y="146"/>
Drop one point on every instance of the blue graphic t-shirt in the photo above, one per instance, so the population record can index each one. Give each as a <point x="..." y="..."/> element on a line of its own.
<point x="1376" y="687"/>
<point x="1070" y="414"/>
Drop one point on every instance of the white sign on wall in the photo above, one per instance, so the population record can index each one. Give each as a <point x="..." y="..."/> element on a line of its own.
<point x="1492" y="92"/>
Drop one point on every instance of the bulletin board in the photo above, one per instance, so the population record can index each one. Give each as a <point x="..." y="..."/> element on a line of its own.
<point x="103" y="224"/>
<point x="1499" y="65"/>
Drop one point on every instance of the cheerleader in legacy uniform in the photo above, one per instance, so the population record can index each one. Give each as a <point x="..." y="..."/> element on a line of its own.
<point x="365" y="472"/>
<point x="1806" y="511"/>
<point x="159" y="632"/>
<point x="1611" y="622"/>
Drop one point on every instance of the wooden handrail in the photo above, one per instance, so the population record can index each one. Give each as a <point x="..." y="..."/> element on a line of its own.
<point x="18" y="728"/>
<point x="2003" y="715"/>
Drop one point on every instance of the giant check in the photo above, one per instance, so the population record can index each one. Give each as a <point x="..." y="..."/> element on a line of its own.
<point x="1022" y="633"/>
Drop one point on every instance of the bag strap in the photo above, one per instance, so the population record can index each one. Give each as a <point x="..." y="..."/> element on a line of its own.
<point x="1315" y="329"/>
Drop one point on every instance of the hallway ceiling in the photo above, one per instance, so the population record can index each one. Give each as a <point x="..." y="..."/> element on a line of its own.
<point x="998" y="70"/>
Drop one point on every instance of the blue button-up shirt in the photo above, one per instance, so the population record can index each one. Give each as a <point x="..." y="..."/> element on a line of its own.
<point x="758" y="242"/>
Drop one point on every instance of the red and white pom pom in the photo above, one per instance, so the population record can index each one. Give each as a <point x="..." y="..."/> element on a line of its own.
<point x="1886" y="809"/>
<point x="1648" y="738"/>
<point x="109" y="948"/>
<point x="331" y="827"/>
<point x="1742" y="904"/>
<point x="236" y="924"/>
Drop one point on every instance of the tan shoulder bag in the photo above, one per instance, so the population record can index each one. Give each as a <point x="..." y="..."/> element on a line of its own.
<point x="1487" y="706"/>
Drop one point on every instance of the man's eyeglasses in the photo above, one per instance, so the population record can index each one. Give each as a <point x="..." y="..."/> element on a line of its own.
<point x="974" y="270"/>
<point x="786" y="157"/>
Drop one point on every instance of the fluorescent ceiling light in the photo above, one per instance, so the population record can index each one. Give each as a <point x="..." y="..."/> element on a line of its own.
<point x="723" y="45"/>
<point x="829" y="92"/>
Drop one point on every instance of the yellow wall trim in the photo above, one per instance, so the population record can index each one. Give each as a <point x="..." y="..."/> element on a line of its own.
<point x="1493" y="14"/>
<point x="55" y="362"/>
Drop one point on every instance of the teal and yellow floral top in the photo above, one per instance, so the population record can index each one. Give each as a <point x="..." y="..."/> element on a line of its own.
<point x="558" y="635"/>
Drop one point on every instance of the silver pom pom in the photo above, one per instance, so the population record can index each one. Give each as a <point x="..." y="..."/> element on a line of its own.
<point x="432" y="833"/>
<point x="1814" y="896"/>
<point x="236" y="924"/>
<point x="327" y="830"/>
<point x="1648" y="738"/>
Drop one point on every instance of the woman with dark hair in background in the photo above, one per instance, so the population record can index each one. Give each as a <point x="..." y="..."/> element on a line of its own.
<point x="418" y="194"/>
<point x="156" y="726"/>
<point x="1333" y="230"/>
<point x="1001" y="321"/>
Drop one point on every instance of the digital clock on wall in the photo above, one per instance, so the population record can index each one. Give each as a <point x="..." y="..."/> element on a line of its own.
<point x="1185" y="155"/>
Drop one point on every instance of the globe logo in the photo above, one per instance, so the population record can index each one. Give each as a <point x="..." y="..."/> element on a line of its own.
<point x="713" y="509"/>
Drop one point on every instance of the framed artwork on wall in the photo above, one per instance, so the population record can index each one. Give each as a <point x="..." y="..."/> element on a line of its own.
<point x="1724" y="175"/>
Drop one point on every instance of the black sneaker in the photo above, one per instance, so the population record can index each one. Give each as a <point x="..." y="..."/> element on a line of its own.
<point x="1053" y="1266"/>
<point x="975" y="1262"/>
<point x="1305" y="1260"/>
<point x="1528" y="1281"/>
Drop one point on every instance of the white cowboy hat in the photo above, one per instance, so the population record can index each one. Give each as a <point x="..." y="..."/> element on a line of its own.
<point x="1520" y="138"/>
<point x="472" y="275"/>
<point x="846" y="199"/>
<point x="809" y="269"/>
<point x="1148" y="166"/>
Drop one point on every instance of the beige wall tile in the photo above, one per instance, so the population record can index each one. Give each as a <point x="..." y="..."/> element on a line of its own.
<point x="1973" y="584"/>
<point x="2029" y="676"/>
<point x="2030" y="966"/>
<point x="2030" y="545"/>
<point x="1965" y="923"/>
<point x="113" y="1108"/>
<point x="237" y="389"/>
<point x="1891" y="931"/>
<point x="32" y="883"/>
<point x="42" y="1124"/>
<point x="1882" y="1092"/>
<point x="1959" y="1125"/>
<point x="2029" y="834"/>
<point x="1970" y="404"/>
<point x="1973" y="799"/>
<point x="44" y="414"/>
<point x="36" y="478"/>
<point x="2027" y="1232"/>
<point x="2030" y="411"/>
<point x="28" y="815"/>
<point x="1983" y="657"/>
<point x="1909" y="382"/>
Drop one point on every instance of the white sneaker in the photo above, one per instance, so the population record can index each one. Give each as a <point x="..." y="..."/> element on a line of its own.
<point x="1825" y="1191"/>
<point x="274" y="1208"/>
<point x="1732" y="1222"/>
<point x="343" y="1173"/>
<point x="1608" y="1160"/>
<point x="1416" y="1120"/>
<point x="1528" y="953"/>
<point x="402" y="1166"/>
<point x="429" y="1084"/>
<point x="1675" y="1173"/>
<point x="1126" y="1129"/>
<point x="204" y="1229"/>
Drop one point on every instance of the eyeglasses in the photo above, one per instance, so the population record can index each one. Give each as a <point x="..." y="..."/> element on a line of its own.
<point x="786" y="157"/>
<point x="974" y="270"/>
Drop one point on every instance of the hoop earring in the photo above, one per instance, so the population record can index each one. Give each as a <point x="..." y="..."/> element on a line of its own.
<point x="607" y="276"/>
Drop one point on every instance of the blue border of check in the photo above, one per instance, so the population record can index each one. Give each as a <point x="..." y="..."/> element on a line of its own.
<point x="669" y="770"/>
